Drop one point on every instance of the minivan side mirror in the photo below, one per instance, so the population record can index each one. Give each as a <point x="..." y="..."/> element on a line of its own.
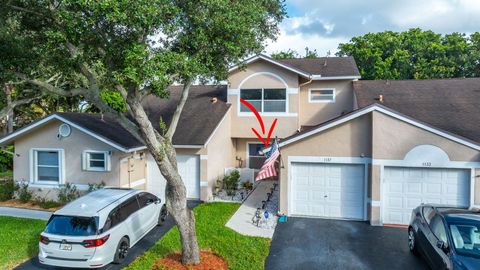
<point x="442" y="245"/>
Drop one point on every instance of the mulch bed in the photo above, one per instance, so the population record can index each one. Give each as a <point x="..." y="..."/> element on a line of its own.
<point x="27" y="205"/>
<point x="208" y="261"/>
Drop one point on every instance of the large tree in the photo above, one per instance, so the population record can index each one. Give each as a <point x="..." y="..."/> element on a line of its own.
<point x="414" y="54"/>
<point x="126" y="50"/>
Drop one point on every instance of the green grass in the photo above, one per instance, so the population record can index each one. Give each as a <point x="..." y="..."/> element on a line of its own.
<point x="19" y="240"/>
<point x="241" y="252"/>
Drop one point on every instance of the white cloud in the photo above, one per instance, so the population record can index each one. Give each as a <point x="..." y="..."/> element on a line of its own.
<point x="322" y="24"/>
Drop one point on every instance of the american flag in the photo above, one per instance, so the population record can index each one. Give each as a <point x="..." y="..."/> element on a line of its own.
<point x="268" y="167"/>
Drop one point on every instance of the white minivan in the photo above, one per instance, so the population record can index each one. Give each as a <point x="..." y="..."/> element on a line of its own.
<point x="99" y="228"/>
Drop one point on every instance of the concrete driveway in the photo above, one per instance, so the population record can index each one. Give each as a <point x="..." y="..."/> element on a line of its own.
<point x="143" y="245"/>
<point x="305" y="243"/>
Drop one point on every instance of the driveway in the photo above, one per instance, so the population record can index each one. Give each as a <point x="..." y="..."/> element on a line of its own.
<point x="143" y="245"/>
<point x="305" y="243"/>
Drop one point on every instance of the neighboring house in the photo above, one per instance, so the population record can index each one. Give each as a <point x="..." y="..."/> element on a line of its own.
<point x="362" y="150"/>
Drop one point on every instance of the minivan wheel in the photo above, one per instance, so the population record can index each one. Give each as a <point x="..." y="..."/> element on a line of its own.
<point x="163" y="215"/>
<point x="412" y="241"/>
<point x="122" y="250"/>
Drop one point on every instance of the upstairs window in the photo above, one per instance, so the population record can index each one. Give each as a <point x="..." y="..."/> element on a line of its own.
<point x="321" y="95"/>
<point x="265" y="99"/>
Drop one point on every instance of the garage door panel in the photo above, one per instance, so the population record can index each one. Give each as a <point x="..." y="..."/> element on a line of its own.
<point x="421" y="185"/>
<point x="334" y="190"/>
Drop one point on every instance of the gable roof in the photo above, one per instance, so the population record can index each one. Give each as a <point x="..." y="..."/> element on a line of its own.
<point x="198" y="121"/>
<point x="325" y="66"/>
<point x="379" y="108"/>
<point x="322" y="68"/>
<point x="452" y="105"/>
<point x="199" y="117"/>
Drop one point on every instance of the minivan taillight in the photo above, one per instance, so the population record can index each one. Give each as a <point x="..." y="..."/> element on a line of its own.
<point x="95" y="242"/>
<point x="44" y="240"/>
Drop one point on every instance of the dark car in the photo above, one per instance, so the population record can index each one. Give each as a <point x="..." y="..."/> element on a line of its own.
<point x="447" y="237"/>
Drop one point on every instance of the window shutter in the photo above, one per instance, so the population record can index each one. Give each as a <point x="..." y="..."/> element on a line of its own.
<point x="84" y="160"/>
<point x="107" y="161"/>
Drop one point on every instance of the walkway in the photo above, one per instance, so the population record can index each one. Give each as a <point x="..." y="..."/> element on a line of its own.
<point x="241" y="221"/>
<point x="25" y="213"/>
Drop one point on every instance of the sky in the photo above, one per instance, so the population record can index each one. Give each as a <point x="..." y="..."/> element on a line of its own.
<point x="322" y="25"/>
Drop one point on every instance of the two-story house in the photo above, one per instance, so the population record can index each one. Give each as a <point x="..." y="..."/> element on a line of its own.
<point x="350" y="149"/>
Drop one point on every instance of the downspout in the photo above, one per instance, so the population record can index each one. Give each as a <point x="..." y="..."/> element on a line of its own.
<point x="299" y="89"/>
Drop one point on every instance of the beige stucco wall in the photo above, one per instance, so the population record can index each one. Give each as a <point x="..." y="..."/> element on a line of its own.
<point x="236" y="77"/>
<point x="394" y="138"/>
<point x="316" y="113"/>
<point x="46" y="137"/>
<point x="287" y="124"/>
<point x="221" y="155"/>
<point x="351" y="139"/>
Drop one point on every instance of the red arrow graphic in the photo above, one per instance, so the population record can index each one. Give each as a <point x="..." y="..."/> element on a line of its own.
<point x="266" y="141"/>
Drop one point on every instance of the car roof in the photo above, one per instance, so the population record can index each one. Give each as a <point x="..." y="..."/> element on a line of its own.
<point x="454" y="214"/>
<point x="92" y="203"/>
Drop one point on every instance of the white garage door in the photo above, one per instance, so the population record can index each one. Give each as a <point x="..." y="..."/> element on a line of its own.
<point x="189" y="169"/>
<point x="406" y="188"/>
<point x="327" y="190"/>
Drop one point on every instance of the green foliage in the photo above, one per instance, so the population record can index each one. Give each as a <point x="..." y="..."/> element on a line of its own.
<point x="241" y="252"/>
<point x="44" y="202"/>
<point x="288" y="54"/>
<point x="114" y="100"/>
<point x="67" y="193"/>
<point x="22" y="192"/>
<point x="7" y="189"/>
<point x="247" y="185"/>
<point x="230" y="182"/>
<point x="414" y="54"/>
<point x="93" y="187"/>
<point x="6" y="159"/>
<point x="19" y="240"/>
<point x="291" y="54"/>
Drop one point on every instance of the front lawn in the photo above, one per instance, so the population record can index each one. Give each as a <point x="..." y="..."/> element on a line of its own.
<point x="19" y="240"/>
<point x="241" y="252"/>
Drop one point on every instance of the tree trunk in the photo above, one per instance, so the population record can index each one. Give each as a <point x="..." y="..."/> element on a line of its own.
<point x="163" y="152"/>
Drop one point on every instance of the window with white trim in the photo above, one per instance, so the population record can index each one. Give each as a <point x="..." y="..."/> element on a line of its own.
<point x="98" y="161"/>
<point x="47" y="166"/>
<point x="321" y="95"/>
<point x="265" y="99"/>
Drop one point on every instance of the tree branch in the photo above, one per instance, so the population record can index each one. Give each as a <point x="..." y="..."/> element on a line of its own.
<point x="51" y="88"/>
<point x="178" y="110"/>
<point x="4" y="111"/>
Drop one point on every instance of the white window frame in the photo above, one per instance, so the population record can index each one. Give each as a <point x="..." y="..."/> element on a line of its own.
<point x="86" y="161"/>
<point x="334" y="94"/>
<point x="34" y="166"/>
<point x="262" y="112"/>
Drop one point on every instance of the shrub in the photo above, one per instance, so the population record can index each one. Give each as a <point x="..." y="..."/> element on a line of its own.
<point x="7" y="190"/>
<point x="93" y="187"/>
<point x="23" y="193"/>
<point x="67" y="193"/>
<point x="247" y="185"/>
<point x="230" y="182"/>
<point x="6" y="159"/>
<point x="45" y="203"/>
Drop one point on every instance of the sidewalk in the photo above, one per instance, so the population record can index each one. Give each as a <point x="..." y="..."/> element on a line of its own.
<point x="25" y="213"/>
<point x="241" y="221"/>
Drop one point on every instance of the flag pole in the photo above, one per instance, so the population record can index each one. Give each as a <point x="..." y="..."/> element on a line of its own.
<point x="281" y="158"/>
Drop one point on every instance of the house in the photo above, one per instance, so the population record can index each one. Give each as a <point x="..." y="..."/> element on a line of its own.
<point x="350" y="149"/>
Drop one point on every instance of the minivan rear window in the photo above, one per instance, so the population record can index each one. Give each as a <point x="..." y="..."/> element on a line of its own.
<point x="71" y="225"/>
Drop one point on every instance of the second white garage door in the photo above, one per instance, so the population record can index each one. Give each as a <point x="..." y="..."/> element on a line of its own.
<point x="406" y="188"/>
<point x="327" y="190"/>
